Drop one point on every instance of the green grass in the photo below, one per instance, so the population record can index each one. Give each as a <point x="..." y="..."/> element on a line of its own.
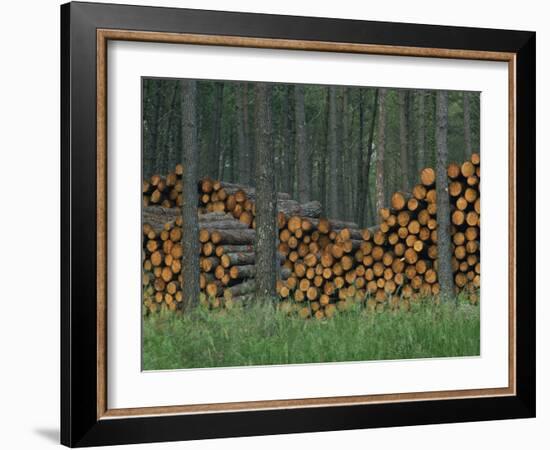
<point x="260" y="335"/>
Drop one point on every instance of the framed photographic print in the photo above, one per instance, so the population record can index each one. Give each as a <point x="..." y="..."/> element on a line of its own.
<point x="272" y="224"/>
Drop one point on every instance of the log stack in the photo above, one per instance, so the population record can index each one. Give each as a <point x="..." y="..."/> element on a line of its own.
<point x="226" y="260"/>
<point x="327" y="265"/>
<point x="164" y="191"/>
<point x="334" y="264"/>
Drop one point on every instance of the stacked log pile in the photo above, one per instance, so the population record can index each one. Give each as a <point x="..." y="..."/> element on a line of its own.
<point x="226" y="260"/>
<point x="326" y="265"/>
<point x="164" y="191"/>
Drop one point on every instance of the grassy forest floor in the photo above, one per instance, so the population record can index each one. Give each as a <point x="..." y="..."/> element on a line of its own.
<point x="260" y="335"/>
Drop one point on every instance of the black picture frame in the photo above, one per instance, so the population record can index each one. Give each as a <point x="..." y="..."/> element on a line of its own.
<point x="80" y="425"/>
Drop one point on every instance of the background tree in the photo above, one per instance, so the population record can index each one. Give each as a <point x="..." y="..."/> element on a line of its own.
<point x="288" y="141"/>
<point x="467" y="124"/>
<point x="302" y="153"/>
<point x="190" y="159"/>
<point x="266" y="201"/>
<point x="215" y="135"/>
<point x="363" y="184"/>
<point x="403" y="139"/>
<point x="380" y="147"/>
<point x="445" y="271"/>
<point x="420" y="132"/>
<point x="243" y="154"/>
<point x="333" y="203"/>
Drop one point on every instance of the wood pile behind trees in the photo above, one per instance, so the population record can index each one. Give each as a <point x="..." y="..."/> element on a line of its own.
<point x="326" y="265"/>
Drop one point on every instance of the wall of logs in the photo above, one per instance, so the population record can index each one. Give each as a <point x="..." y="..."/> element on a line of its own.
<point x="326" y="265"/>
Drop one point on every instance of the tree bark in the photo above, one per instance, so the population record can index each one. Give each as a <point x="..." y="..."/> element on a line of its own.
<point x="171" y="158"/>
<point x="155" y="124"/>
<point x="293" y="208"/>
<point x="288" y="129"/>
<point x="266" y="204"/>
<point x="380" y="149"/>
<point x="359" y="195"/>
<point x="403" y="141"/>
<point x="323" y="188"/>
<point x="249" y="136"/>
<point x="445" y="271"/>
<point x="467" y="126"/>
<point x="411" y="144"/>
<point x="190" y="160"/>
<point x="347" y="169"/>
<point x="214" y="147"/>
<point x="333" y="204"/>
<point x="232" y="188"/>
<point x="302" y="153"/>
<point x="365" y="161"/>
<point x="148" y="155"/>
<point x="368" y="199"/>
<point x="340" y="153"/>
<point x="421" y="136"/>
<point x="243" y="156"/>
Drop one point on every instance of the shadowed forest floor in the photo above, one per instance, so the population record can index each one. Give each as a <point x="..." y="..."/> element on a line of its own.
<point x="260" y="335"/>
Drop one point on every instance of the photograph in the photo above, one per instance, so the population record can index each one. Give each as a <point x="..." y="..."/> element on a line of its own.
<point x="270" y="224"/>
<point x="300" y="223"/>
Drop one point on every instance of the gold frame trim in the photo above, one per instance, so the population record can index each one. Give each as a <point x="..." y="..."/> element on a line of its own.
<point x="103" y="36"/>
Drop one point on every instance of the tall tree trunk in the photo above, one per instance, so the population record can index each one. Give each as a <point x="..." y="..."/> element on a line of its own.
<point x="190" y="160"/>
<point x="288" y="136"/>
<point x="355" y="148"/>
<point x="360" y="201"/>
<point x="148" y="157"/>
<point x="467" y="125"/>
<point x="445" y="272"/>
<point x="284" y="162"/>
<point x="364" y="175"/>
<point x="242" y="154"/>
<point x="170" y="151"/>
<point x="411" y="135"/>
<point x="266" y="201"/>
<point x="341" y="152"/>
<point x="323" y="163"/>
<point x="214" y="147"/>
<point x="232" y="158"/>
<point x="421" y="130"/>
<point x="403" y="141"/>
<point x="302" y="154"/>
<point x="380" y="149"/>
<point x="155" y="125"/>
<point x="249" y="136"/>
<point x="333" y="154"/>
<point x="346" y="177"/>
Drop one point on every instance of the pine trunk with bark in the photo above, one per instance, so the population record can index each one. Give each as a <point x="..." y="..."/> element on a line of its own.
<point x="421" y="133"/>
<point x="302" y="154"/>
<point x="333" y="157"/>
<point x="445" y="270"/>
<point x="266" y="203"/>
<point x="467" y="125"/>
<point x="363" y="182"/>
<point x="155" y="124"/>
<point x="190" y="159"/>
<point x="347" y="168"/>
<point x="243" y="156"/>
<point x="403" y="140"/>
<point x="380" y="149"/>
<point x="289" y="141"/>
<point x="214" y="147"/>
